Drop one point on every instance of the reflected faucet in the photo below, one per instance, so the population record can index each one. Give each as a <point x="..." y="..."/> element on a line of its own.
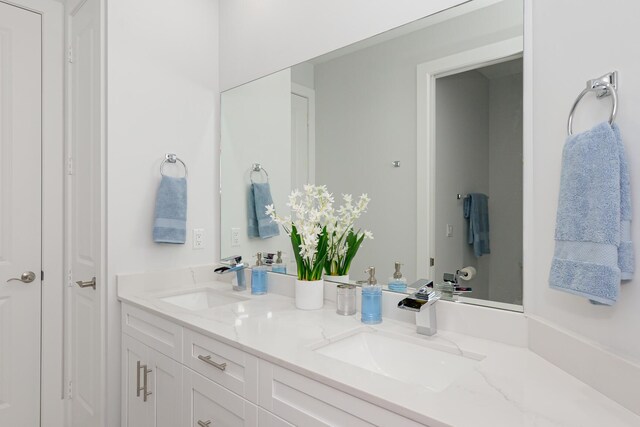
<point x="423" y="303"/>
<point x="231" y="264"/>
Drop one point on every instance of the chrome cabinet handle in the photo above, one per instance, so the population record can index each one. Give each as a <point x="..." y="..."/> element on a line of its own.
<point x="207" y="359"/>
<point x="90" y="284"/>
<point x="138" y="388"/>
<point x="144" y="383"/>
<point x="204" y="423"/>
<point x="27" y="277"/>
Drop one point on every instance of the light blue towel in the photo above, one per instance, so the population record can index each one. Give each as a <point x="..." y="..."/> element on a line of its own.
<point x="593" y="250"/>
<point x="259" y="224"/>
<point x="476" y="211"/>
<point x="170" y="225"/>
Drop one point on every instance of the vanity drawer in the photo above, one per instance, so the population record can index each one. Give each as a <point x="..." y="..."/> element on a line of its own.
<point x="206" y="403"/>
<point x="156" y="332"/>
<point x="304" y="402"/>
<point x="226" y="365"/>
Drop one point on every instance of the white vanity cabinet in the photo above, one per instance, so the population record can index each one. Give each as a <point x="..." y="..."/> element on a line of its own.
<point x="173" y="376"/>
<point x="152" y="385"/>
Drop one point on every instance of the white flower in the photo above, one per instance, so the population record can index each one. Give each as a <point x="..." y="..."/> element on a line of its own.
<point x="368" y="235"/>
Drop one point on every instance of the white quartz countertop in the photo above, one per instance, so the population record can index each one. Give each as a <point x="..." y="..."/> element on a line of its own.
<point x="510" y="387"/>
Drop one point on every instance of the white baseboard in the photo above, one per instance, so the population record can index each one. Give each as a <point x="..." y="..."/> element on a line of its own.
<point x="610" y="374"/>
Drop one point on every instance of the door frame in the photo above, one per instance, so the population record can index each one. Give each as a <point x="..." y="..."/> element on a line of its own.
<point x="310" y="94"/>
<point x="52" y="140"/>
<point x="427" y="73"/>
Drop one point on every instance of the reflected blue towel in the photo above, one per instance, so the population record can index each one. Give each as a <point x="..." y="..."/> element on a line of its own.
<point x="259" y="224"/>
<point x="593" y="250"/>
<point x="170" y="224"/>
<point x="476" y="211"/>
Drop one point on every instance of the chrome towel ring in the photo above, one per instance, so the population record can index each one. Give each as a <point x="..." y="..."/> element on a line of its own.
<point x="603" y="86"/>
<point x="172" y="158"/>
<point x="257" y="168"/>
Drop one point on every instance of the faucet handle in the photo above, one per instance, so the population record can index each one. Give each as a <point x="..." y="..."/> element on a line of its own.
<point x="231" y="260"/>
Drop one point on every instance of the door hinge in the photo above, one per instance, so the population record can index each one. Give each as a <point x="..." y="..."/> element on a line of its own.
<point x="70" y="55"/>
<point x="42" y="275"/>
<point x="69" y="166"/>
<point x="432" y="262"/>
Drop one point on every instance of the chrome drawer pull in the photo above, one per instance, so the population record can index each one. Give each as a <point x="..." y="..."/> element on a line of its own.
<point x="207" y="359"/>
<point x="204" y="423"/>
<point x="138" y="388"/>
<point x="144" y="383"/>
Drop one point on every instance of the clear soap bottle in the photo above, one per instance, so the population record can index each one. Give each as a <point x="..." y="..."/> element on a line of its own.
<point x="397" y="283"/>
<point x="259" y="277"/>
<point x="279" y="266"/>
<point x="371" y="299"/>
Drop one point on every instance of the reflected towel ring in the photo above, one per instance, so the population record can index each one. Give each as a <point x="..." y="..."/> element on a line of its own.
<point x="172" y="158"/>
<point x="257" y="167"/>
<point x="603" y="86"/>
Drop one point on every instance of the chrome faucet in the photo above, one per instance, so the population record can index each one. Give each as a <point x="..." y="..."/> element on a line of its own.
<point x="423" y="303"/>
<point x="231" y="264"/>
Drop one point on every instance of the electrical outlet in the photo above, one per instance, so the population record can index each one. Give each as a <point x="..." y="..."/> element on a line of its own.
<point x="235" y="236"/>
<point x="198" y="238"/>
<point x="449" y="230"/>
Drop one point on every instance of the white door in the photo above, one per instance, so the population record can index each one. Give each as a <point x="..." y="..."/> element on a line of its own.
<point x="85" y="218"/>
<point x="302" y="136"/>
<point x="20" y="216"/>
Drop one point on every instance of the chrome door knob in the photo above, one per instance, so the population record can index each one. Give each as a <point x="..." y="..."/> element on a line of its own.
<point x="88" y="284"/>
<point x="27" y="277"/>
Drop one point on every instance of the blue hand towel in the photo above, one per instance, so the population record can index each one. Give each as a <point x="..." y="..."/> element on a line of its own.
<point x="170" y="225"/>
<point x="476" y="211"/>
<point x="593" y="240"/>
<point x="259" y="223"/>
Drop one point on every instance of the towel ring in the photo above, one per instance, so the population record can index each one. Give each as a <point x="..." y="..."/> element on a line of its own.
<point x="257" y="168"/>
<point x="172" y="158"/>
<point x="603" y="86"/>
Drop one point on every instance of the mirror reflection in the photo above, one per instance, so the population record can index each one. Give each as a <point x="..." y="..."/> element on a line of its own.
<point x="425" y="119"/>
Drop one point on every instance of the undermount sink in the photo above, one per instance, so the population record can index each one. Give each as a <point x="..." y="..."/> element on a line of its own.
<point x="202" y="299"/>
<point x="405" y="360"/>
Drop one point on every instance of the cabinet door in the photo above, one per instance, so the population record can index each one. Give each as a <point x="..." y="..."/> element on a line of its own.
<point x="207" y="404"/>
<point x="165" y="386"/>
<point x="135" y="411"/>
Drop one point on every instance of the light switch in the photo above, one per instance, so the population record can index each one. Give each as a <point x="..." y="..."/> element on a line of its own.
<point x="449" y="231"/>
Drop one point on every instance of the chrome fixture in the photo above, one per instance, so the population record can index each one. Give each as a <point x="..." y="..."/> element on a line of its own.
<point x="204" y="423"/>
<point x="145" y="384"/>
<point x="257" y="168"/>
<point x="603" y="86"/>
<point x="26" y="277"/>
<point x="423" y="303"/>
<point x="172" y="158"/>
<point x="89" y="284"/>
<point x="396" y="163"/>
<point x="207" y="359"/>
<point x="449" y="289"/>
<point x="231" y="264"/>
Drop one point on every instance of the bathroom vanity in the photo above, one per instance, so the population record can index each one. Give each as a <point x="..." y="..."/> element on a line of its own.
<point x="196" y="353"/>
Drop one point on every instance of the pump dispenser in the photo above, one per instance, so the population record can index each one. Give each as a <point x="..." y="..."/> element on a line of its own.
<point x="397" y="283"/>
<point x="259" y="276"/>
<point x="371" y="299"/>
<point x="279" y="266"/>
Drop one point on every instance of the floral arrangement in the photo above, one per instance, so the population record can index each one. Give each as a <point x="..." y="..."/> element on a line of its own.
<point x="324" y="238"/>
<point x="344" y="241"/>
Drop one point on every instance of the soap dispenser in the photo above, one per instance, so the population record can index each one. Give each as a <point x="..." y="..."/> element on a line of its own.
<point x="279" y="266"/>
<point x="371" y="299"/>
<point x="259" y="276"/>
<point x="397" y="283"/>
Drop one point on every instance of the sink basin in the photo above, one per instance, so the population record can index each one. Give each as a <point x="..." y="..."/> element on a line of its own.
<point x="406" y="360"/>
<point x="202" y="299"/>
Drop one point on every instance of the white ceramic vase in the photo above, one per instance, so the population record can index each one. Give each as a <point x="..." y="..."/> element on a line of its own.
<point x="338" y="279"/>
<point x="309" y="294"/>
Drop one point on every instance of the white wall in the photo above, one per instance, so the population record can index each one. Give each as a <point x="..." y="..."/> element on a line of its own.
<point x="162" y="97"/>
<point x="255" y="128"/>
<point x="568" y="49"/>
<point x="258" y="37"/>
<point x="505" y="182"/>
